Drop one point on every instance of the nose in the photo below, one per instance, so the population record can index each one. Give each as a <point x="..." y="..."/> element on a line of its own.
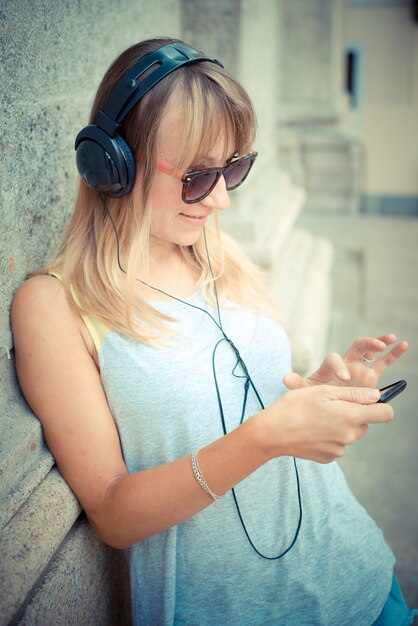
<point x="218" y="197"/>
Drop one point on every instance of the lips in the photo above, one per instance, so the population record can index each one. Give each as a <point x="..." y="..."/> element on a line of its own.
<point x="195" y="217"/>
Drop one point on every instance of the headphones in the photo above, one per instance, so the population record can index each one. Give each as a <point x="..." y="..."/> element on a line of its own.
<point x="104" y="159"/>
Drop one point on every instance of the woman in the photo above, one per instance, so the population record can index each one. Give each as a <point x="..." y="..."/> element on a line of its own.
<point x="159" y="359"/>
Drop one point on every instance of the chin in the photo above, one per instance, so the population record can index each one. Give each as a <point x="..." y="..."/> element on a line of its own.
<point x="188" y="239"/>
<point x="177" y="239"/>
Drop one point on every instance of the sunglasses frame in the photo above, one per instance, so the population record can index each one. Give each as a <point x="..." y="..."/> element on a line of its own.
<point x="188" y="177"/>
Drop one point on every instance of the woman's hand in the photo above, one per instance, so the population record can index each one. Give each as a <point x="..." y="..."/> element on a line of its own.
<point x="319" y="422"/>
<point x="358" y="367"/>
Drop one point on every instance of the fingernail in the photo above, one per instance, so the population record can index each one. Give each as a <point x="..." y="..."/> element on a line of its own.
<point x="344" y="375"/>
<point x="373" y="394"/>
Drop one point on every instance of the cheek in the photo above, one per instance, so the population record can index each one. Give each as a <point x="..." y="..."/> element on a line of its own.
<point x="163" y="215"/>
<point x="160" y="221"/>
<point x="166" y="191"/>
<point x="166" y="203"/>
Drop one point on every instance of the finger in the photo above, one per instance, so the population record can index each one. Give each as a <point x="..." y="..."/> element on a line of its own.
<point x="375" y="413"/>
<point x="362" y="405"/>
<point x="364" y="345"/>
<point x="390" y="357"/>
<point x="333" y="366"/>
<point x="387" y="340"/>
<point x="294" y="381"/>
<point x="357" y="395"/>
<point x="337" y="366"/>
<point x="362" y="430"/>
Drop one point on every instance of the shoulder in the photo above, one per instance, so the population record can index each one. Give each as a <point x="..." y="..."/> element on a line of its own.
<point x="41" y="296"/>
<point x="40" y="307"/>
<point x="37" y="294"/>
<point x="38" y="286"/>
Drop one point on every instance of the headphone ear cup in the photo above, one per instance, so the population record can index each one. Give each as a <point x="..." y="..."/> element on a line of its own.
<point x="106" y="164"/>
<point x="130" y="163"/>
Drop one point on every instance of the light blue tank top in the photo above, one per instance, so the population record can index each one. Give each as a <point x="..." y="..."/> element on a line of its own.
<point x="204" y="572"/>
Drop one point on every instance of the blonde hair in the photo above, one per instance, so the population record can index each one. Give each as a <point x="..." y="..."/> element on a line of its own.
<point x="212" y="102"/>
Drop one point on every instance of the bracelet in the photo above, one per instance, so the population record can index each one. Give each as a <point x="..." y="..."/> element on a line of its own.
<point x="200" y="479"/>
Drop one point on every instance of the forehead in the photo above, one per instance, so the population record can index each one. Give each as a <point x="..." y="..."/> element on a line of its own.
<point x="190" y="135"/>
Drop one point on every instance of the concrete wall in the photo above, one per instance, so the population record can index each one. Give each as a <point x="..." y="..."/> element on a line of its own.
<point x="311" y="61"/>
<point x="53" y="571"/>
<point x="317" y="150"/>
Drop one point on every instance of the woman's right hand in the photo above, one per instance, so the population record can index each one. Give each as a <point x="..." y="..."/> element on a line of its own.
<point x="319" y="422"/>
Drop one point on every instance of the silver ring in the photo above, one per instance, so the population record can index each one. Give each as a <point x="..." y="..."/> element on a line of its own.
<point x="368" y="362"/>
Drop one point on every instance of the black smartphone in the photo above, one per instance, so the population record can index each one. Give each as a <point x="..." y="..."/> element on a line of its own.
<point x="391" y="391"/>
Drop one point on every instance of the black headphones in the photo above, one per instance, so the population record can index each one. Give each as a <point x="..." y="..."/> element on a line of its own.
<point x="104" y="159"/>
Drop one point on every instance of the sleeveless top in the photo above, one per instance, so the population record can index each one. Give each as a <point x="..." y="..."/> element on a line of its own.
<point x="203" y="572"/>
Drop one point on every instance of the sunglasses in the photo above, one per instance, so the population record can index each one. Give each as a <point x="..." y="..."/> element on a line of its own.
<point x="199" y="184"/>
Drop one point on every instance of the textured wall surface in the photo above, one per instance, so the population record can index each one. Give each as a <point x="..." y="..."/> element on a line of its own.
<point x="214" y="27"/>
<point x="311" y="60"/>
<point x="53" y="56"/>
<point x="53" y="571"/>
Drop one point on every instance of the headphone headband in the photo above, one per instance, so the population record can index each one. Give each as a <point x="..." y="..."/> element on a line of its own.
<point x="104" y="159"/>
<point x="129" y="91"/>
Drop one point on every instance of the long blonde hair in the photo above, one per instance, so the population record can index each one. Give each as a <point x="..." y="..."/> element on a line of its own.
<point x="213" y="102"/>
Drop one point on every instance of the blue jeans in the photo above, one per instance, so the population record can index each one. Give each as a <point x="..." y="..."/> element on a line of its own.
<point x="395" y="612"/>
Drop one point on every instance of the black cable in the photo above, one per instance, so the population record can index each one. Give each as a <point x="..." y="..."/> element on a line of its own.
<point x="248" y="383"/>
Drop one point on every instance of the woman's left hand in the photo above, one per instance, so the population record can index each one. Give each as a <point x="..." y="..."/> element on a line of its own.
<point x="359" y="366"/>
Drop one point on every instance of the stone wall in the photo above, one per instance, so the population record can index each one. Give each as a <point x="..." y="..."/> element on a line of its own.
<point x="53" y="571"/>
<point x="324" y="156"/>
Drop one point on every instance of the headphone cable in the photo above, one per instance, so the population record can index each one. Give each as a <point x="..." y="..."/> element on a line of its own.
<point x="248" y="383"/>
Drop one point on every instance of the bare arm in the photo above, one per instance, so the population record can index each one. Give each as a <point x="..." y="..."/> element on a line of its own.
<point x="61" y="383"/>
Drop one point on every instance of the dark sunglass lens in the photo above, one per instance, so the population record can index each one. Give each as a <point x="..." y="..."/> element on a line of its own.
<point x="237" y="173"/>
<point x="200" y="185"/>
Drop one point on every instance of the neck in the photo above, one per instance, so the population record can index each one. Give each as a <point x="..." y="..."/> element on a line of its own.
<point x="170" y="273"/>
<point x="163" y="252"/>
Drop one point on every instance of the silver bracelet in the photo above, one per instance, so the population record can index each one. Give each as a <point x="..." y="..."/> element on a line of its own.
<point x="200" y="479"/>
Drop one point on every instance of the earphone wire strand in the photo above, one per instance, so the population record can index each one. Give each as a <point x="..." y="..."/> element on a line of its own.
<point x="248" y="382"/>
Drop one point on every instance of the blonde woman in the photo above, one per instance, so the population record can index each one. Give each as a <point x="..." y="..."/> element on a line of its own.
<point x="153" y="356"/>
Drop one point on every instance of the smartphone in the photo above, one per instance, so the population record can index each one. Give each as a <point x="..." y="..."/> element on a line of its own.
<point x="391" y="391"/>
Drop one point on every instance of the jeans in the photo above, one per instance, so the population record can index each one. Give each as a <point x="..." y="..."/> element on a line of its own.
<point x="395" y="611"/>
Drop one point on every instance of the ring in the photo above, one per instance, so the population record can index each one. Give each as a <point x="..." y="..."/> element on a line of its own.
<point x="368" y="362"/>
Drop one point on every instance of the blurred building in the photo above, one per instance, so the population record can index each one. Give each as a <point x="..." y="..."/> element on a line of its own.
<point x="335" y="86"/>
<point x="349" y="104"/>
